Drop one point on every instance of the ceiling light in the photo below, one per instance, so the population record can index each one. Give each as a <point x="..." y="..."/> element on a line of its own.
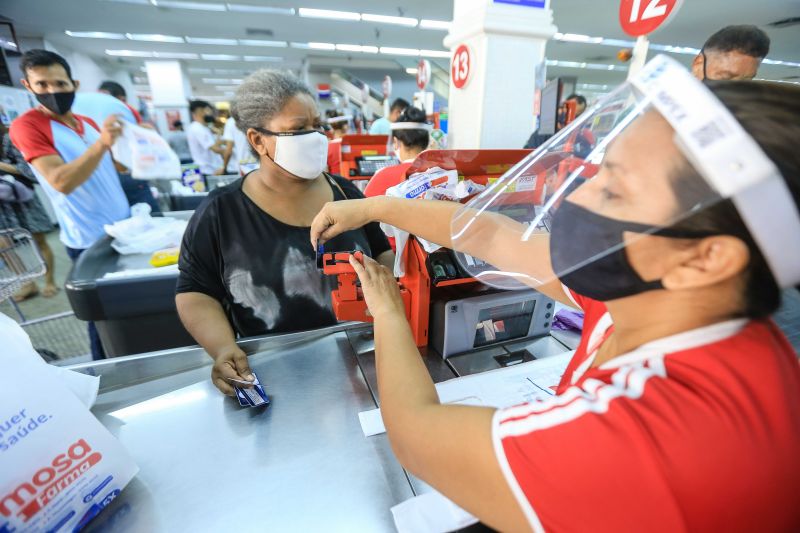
<point x="328" y="14"/>
<point x="223" y="71"/>
<point x="591" y="66"/>
<point x="231" y="81"/>
<point x="428" y="24"/>
<point x="175" y="55"/>
<point x="271" y="59"/>
<point x="303" y="46"/>
<point x="129" y="53"/>
<point x="211" y="40"/>
<point x="385" y="19"/>
<point x="225" y="87"/>
<point x="258" y="42"/>
<point x="199" y="6"/>
<point x="357" y="48"/>
<point x="322" y="46"/>
<point x="154" y="37"/>
<point x="195" y="70"/>
<point x="412" y="70"/>
<point x="95" y="34"/>
<point x="219" y="57"/>
<point x="244" y="8"/>
<point x="399" y="51"/>
<point x="140" y="2"/>
<point x="435" y="53"/>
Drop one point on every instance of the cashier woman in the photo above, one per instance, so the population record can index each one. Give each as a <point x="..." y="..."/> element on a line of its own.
<point x="680" y="410"/>
<point x="245" y="267"/>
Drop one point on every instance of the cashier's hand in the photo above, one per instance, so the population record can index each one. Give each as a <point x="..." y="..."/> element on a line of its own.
<point x="230" y="364"/>
<point x="337" y="217"/>
<point x="380" y="288"/>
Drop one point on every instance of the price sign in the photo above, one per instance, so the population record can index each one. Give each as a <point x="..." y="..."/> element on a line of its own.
<point x="461" y="67"/>
<point x="423" y="73"/>
<point x="640" y="17"/>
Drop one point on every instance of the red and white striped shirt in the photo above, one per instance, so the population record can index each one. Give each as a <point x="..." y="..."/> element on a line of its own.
<point x="698" y="431"/>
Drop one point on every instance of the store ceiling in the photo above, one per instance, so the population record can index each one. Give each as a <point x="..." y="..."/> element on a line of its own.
<point x="50" y="19"/>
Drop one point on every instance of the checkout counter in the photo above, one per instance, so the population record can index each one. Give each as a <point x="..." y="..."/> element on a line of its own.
<point x="361" y="156"/>
<point x="131" y="302"/>
<point x="302" y="463"/>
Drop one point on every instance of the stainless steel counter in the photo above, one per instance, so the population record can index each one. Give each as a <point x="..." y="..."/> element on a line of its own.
<point x="301" y="464"/>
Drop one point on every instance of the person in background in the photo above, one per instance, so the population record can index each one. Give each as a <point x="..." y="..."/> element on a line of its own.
<point x="410" y="136"/>
<point x="179" y="143"/>
<point x="245" y="265"/>
<point x="30" y="216"/>
<point x="237" y="150"/>
<point x="732" y="53"/>
<point x="537" y="139"/>
<point x="339" y="126"/>
<point x="207" y="151"/>
<point x="118" y="91"/>
<point x="382" y="126"/>
<point x="98" y="106"/>
<point x="69" y="155"/>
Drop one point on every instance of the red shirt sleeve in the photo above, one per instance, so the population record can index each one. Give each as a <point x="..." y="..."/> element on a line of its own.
<point x="33" y="136"/>
<point x="136" y="114"/>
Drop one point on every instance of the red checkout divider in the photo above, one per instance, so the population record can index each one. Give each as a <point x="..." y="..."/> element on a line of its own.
<point x="358" y="155"/>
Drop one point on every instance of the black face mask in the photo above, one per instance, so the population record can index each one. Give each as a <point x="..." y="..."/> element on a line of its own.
<point x="58" y="103"/>
<point x="580" y="241"/>
<point x="209" y="119"/>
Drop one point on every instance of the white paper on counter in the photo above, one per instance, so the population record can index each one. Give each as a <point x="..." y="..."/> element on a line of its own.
<point x="17" y="345"/>
<point x="523" y="383"/>
<point x="430" y="513"/>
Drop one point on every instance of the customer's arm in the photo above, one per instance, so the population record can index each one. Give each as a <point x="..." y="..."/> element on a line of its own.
<point x="493" y="238"/>
<point x="205" y="320"/>
<point x="226" y="156"/>
<point x="447" y="446"/>
<point x="66" y="177"/>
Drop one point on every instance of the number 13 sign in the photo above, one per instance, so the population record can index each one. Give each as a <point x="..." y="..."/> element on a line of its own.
<point x="461" y="67"/>
<point x="640" y="17"/>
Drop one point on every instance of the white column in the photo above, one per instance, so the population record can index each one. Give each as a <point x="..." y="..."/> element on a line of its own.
<point x="171" y="90"/>
<point x="506" y="43"/>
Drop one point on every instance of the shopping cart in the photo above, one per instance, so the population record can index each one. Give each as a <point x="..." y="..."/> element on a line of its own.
<point x="20" y="262"/>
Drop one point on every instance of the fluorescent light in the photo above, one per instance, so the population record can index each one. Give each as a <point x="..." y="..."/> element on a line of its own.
<point x="95" y="34"/>
<point x="225" y="87"/>
<point x="213" y="81"/>
<point x="129" y="53"/>
<point x="259" y="42"/>
<point x="357" y="48"/>
<point x="175" y="55"/>
<point x="322" y="46"/>
<point x="328" y="14"/>
<point x="219" y="57"/>
<point x="154" y="37"/>
<point x="211" y="40"/>
<point x="385" y="19"/>
<point x="591" y="66"/>
<point x="578" y="38"/>
<point x="435" y="53"/>
<point x="428" y="24"/>
<point x="245" y="8"/>
<point x="224" y="71"/>
<point x="139" y="2"/>
<point x="412" y="70"/>
<point x="199" y="6"/>
<point x="399" y="51"/>
<point x="195" y="70"/>
<point x="271" y="59"/>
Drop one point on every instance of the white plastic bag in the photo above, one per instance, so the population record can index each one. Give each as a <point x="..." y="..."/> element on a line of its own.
<point x="144" y="234"/>
<point x="146" y="154"/>
<point x="60" y="466"/>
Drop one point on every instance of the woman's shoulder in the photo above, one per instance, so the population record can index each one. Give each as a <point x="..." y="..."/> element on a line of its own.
<point x="348" y="187"/>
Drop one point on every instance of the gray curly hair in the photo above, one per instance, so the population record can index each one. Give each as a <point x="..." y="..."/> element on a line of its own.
<point x="262" y="96"/>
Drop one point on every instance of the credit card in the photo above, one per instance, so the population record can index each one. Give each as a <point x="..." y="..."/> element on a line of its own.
<point x="253" y="396"/>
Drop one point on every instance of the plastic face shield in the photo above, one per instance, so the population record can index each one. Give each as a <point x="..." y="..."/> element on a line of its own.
<point x="649" y="156"/>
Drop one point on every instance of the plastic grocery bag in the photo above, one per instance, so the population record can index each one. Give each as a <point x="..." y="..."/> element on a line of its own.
<point x="144" y="234"/>
<point x="146" y="154"/>
<point x="60" y="467"/>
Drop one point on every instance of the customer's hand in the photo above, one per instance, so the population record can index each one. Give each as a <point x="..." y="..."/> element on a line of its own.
<point x="380" y="288"/>
<point x="112" y="128"/>
<point x="230" y="363"/>
<point x="337" y="217"/>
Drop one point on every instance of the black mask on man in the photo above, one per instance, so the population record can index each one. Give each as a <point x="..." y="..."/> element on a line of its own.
<point x="58" y="103"/>
<point x="209" y="118"/>
<point x="587" y="251"/>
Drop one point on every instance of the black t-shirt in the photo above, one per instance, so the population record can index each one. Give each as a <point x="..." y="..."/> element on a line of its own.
<point x="261" y="270"/>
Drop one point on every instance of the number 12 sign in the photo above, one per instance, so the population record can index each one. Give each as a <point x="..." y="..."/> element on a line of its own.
<point x="640" y="17"/>
<point x="461" y="67"/>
